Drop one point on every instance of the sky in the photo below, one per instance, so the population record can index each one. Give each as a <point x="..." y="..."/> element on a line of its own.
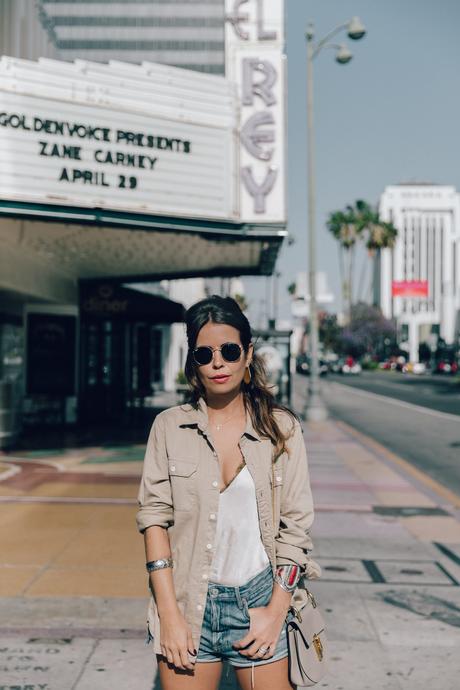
<point x="390" y="115"/>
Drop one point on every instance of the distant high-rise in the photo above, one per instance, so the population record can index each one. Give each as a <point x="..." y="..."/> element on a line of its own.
<point x="184" y="33"/>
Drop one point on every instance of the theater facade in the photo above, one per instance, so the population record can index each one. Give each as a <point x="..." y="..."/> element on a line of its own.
<point x="119" y="185"/>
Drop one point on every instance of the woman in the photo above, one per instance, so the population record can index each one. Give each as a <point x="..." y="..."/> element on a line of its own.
<point x="225" y="509"/>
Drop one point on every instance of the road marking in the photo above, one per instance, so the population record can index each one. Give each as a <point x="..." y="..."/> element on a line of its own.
<point x="400" y="403"/>
<point x="9" y="472"/>
<point x="446" y="494"/>
<point x="447" y="552"/>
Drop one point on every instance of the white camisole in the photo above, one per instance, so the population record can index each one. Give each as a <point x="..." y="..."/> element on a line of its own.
<point x="239" y="554"/>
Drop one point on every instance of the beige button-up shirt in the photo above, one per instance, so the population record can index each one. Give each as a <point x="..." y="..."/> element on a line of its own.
<point x="179" y="491"/>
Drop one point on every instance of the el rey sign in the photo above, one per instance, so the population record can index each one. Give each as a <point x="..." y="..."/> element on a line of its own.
<point x="254" y="44"/>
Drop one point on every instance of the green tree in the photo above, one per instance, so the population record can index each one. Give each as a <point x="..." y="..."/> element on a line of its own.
<point x="367" y="332"/>
<point x="342" y="226"/>
<point x="329" y="331"/>
<point x="358" y="224"/>
<point x="376" y="235"/>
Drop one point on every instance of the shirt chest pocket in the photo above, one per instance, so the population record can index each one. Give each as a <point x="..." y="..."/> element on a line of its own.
<point x="183" y="478"/>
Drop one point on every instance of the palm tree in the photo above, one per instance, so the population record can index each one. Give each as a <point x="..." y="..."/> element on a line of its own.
<point x="343" y="226"/>
<point x="377" y="235"/>
<point x="362" y="223"/>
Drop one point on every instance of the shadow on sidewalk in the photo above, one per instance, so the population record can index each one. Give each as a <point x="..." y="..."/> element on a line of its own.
<point x="58" y="439"/>
<point x="131" y="428"/>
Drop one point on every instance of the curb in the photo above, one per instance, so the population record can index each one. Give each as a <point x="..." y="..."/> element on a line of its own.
<point x="428" y="482"/>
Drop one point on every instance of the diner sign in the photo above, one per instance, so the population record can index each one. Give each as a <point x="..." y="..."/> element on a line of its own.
<point x="254" y="45"/>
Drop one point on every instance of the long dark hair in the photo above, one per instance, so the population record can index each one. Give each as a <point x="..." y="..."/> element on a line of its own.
<point x="258" y="399"/>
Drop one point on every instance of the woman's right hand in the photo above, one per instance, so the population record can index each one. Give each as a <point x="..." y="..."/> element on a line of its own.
<point x="176" y="641"/>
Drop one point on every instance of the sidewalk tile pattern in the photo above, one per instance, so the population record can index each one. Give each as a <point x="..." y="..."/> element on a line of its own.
<point x="389" y="590"/>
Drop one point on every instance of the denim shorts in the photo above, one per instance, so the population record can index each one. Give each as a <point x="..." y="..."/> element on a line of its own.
<point x="226" y="620"/>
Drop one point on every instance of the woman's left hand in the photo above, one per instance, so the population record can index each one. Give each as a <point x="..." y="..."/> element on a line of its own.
<point x="264" y="631"/>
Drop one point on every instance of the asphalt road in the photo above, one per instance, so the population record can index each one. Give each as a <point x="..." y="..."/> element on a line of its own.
<point x="440" y="393"/>
<point x="416" y="418"/>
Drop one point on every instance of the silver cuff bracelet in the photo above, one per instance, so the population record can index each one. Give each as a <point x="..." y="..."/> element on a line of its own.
<point x="159" y="564"/>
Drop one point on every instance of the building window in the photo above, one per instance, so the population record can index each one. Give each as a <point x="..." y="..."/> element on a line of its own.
<point x="120" y="21"/>
<point x="102" y="44"/>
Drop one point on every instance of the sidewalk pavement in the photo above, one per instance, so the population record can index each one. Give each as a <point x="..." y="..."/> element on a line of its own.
<point x="73" y="590"/>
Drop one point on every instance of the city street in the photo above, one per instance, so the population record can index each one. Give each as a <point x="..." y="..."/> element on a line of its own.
<point x="196" y="198"/>
<point x="404" y="414"/>
<point x="436" y="392"/>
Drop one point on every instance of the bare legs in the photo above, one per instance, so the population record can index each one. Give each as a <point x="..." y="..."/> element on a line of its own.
<point x="205" y="676"/>
<point x="273" y="676"/>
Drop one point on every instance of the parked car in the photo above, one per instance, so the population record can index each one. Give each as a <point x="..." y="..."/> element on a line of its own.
<point x="351" y="366"/>
<point x="392" y="364"/>
<point x="347" y="365"/>
<point x="445" y="366"/>
<point x="303" y="365"/>
<point x="414" y="368"/>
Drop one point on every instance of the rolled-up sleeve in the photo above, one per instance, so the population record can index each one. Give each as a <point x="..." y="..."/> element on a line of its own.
<point x="154" y="496"/>
<point x="293" y="542"/>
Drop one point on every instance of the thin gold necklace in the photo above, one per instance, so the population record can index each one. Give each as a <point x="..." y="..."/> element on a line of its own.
<point x="219" y="426"/>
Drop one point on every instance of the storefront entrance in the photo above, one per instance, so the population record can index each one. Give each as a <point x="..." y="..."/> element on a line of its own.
<point x="122" y="351"/>
<point x="120" y="367"/>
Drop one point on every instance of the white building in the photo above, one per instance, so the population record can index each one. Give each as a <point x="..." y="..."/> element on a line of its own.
<point x="172" y="32"/>
<point x="427" y="249"/>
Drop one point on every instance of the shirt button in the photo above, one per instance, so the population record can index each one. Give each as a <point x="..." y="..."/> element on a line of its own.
<point x="278" y="479"/>
<point x="204" y="576"/>
<point x="173" y="468"/>
<point x="215" y="483"/>
<point x="199" y="607"/>
<point x="212" y="516"/>
<point x="209" y="546"/>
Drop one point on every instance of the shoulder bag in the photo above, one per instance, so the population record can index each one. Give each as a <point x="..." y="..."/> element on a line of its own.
<point x="307" y="642"/>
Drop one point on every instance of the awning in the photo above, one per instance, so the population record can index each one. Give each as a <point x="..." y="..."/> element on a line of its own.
<point x="89" y="243"/>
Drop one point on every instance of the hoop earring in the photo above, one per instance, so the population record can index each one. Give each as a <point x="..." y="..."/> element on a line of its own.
<point x="247" y="376"/>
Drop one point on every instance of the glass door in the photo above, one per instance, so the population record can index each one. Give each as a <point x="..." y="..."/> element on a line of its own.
<point x="102" y="388"/>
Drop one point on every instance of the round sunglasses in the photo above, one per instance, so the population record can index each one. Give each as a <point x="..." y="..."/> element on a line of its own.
<point x="231" y="352"/>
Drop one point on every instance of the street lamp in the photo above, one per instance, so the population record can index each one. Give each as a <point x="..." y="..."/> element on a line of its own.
<point x="315" y="409"/>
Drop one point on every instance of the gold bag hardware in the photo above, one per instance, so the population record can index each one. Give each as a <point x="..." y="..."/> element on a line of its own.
<point x="318" y="646"/>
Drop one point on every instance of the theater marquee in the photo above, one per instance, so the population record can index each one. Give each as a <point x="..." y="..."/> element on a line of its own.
<point x="130" y="138"/>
